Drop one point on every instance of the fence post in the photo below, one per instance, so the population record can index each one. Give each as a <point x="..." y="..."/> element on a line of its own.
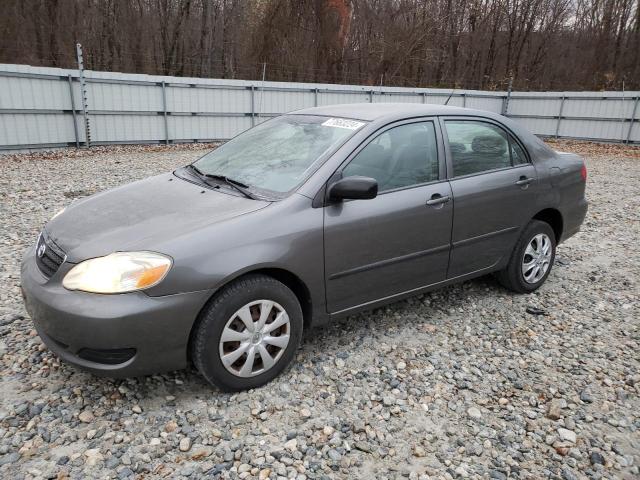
<point x="315" y="97"/>
<point x="73" y="112"/>
<point x="505" y="100"/>
<point x="464" y="100"/>
<point x="83" y="96"/>
<point x="560" y="117"/>
<point x="253" y="105"/>
<point x="370" y="96"/>
<point x="633" y="119"/>
<point x="424" y="97"/>
<point x="164" y="112"/>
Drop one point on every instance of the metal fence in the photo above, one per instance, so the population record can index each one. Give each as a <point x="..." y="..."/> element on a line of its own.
<point x="50" y="107"/>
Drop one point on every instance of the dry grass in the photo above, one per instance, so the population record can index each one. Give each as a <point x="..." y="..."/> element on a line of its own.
<point x="595" y="149"/>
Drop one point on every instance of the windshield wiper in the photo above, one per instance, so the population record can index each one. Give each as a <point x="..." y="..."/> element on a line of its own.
<point x="239" y="186"/>
<point x="195" y="169"/>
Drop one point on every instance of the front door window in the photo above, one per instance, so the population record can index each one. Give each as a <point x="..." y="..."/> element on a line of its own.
<point x="400" y="157"/>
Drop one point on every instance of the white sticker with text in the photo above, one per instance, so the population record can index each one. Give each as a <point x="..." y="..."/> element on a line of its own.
<point x="343" y="123"/>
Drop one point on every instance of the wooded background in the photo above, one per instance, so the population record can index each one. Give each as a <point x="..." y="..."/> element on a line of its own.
<point x="473" y="44"/>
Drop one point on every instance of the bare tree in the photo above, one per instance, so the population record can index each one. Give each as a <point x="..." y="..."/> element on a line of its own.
<point x="541" y="44"/>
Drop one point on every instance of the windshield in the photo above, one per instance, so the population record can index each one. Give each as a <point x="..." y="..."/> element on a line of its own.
<point x="279" y="154"/>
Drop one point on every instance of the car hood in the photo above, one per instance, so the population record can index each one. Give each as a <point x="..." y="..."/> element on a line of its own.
<point x="141" y="215"/>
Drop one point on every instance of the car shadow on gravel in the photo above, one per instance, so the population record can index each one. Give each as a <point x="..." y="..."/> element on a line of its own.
<point x="397" y="314"/>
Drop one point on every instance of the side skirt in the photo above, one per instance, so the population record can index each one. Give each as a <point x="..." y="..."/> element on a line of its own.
<point x="410" y="293"/>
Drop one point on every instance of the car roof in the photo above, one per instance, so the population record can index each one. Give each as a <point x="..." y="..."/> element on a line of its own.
<point x="377" y="111"/>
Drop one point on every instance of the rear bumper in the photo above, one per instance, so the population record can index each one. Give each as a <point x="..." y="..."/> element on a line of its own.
<point x="114" y="335"/>
<point x="573" y="218"/>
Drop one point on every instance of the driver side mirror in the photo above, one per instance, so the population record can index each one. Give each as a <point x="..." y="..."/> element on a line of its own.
<point x="353" y="188"/>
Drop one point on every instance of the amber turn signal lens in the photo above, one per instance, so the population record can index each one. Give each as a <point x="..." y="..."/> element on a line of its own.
<point x="151" y="276"/>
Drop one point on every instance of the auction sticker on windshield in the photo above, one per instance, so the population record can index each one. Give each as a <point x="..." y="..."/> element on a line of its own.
<point x="343" y="123"/>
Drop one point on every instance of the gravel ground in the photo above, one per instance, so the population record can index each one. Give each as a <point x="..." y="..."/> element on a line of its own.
<point x="458" y="383"/>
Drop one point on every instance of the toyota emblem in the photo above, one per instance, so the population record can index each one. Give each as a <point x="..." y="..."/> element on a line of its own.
<point x="41" y="249"/>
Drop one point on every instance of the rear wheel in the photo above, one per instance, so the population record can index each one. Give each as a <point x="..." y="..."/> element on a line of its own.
<point x="531" y="260"/>
<point x="248" y="334"/>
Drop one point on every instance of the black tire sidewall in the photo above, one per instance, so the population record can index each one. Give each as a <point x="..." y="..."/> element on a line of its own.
<point x="533" y="229"/>
<point x="207" y="336"/>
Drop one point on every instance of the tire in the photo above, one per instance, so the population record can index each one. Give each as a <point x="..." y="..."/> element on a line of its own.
<point x="513" y="277"/>
<point x="232" y="311"/>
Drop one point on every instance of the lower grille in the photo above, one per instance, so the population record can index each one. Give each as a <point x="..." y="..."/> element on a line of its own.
<point x="49" y="256"/>
<point x="108" y="357"/>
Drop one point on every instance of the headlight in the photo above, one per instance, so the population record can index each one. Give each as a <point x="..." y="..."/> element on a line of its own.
<point x="118" y="272"/>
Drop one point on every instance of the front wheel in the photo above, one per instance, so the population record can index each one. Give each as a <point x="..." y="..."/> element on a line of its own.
<point x="531" y="260"/>
<point x="248" y="334"/>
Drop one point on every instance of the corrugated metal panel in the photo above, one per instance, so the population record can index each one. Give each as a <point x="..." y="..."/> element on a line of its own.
<point x="276" y="102"/>
<point x="635" y="133"/>
<point x="539" y="126"/>
<point x="126" y="128"/>
<point x="206" y="128"/>
<point x="35" y="106"/>
<point x="28" y="129"/>
<point x="609" y="108"/>
<point x="189" y="99"/>
<point x="538" y="106"/>
<point x="397" y="98"/>
<point x="121" y="97"/>
<point x="326" y="98"/>
<point x="594" y="129"/>
<point x="440" y="99"/>
<point x="491" y="104"/>
<point x="33" y="93"/>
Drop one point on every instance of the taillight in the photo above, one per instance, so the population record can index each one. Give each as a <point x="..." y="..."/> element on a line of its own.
<point x="583" y="172"/>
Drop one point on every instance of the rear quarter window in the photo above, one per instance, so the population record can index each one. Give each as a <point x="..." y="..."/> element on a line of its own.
<point x="517" y="153"/>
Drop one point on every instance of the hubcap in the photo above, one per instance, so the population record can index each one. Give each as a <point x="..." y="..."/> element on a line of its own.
<point x="254" y="338"/>
<point x="537" y="258"/>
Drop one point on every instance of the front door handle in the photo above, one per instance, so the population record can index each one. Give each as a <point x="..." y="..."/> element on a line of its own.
<point x="437" y="199"/>
<point x="524" y="181"/>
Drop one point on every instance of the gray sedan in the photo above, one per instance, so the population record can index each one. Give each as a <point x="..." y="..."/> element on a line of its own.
<point x="309" y="216"/>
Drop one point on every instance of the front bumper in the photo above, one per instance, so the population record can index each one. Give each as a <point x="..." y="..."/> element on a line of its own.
<point x="135" y="334"/>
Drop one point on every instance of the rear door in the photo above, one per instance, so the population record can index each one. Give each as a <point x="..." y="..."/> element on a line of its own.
<point x="494" y="188"/>
<point x="399" y="240"/>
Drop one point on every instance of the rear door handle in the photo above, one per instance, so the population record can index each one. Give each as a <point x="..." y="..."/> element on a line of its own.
<point x="524" y="181"/>
<point x="437" y="199"/>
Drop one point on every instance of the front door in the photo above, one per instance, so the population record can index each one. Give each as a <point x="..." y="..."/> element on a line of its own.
<point x="494" y="188"/>
<point x="400" y="240"/>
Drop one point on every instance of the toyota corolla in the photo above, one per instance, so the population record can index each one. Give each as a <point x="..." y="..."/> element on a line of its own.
<point x="309" y="216"/>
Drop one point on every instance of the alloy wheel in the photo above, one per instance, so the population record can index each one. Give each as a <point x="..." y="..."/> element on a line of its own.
<point x="537" y="258"/>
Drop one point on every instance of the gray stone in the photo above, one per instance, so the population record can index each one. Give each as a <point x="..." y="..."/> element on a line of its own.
<point x="334" y="455"/>
<point x="586" y="397"/>
<point x="474" y="413"/>
<point x="10" y="458"/>
<point x="596" y="458"/>
<point x="567" y="435"/>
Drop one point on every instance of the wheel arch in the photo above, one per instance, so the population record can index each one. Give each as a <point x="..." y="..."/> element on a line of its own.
<point x="553" y="217"/>
<point x="291" y="280"/>
<point x="295" y="284"/>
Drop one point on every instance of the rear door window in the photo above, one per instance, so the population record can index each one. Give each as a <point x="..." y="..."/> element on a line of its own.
<point x="477" y="147"/>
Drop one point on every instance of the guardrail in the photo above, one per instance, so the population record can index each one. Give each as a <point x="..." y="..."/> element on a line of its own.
<point x="47" y="107"/>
